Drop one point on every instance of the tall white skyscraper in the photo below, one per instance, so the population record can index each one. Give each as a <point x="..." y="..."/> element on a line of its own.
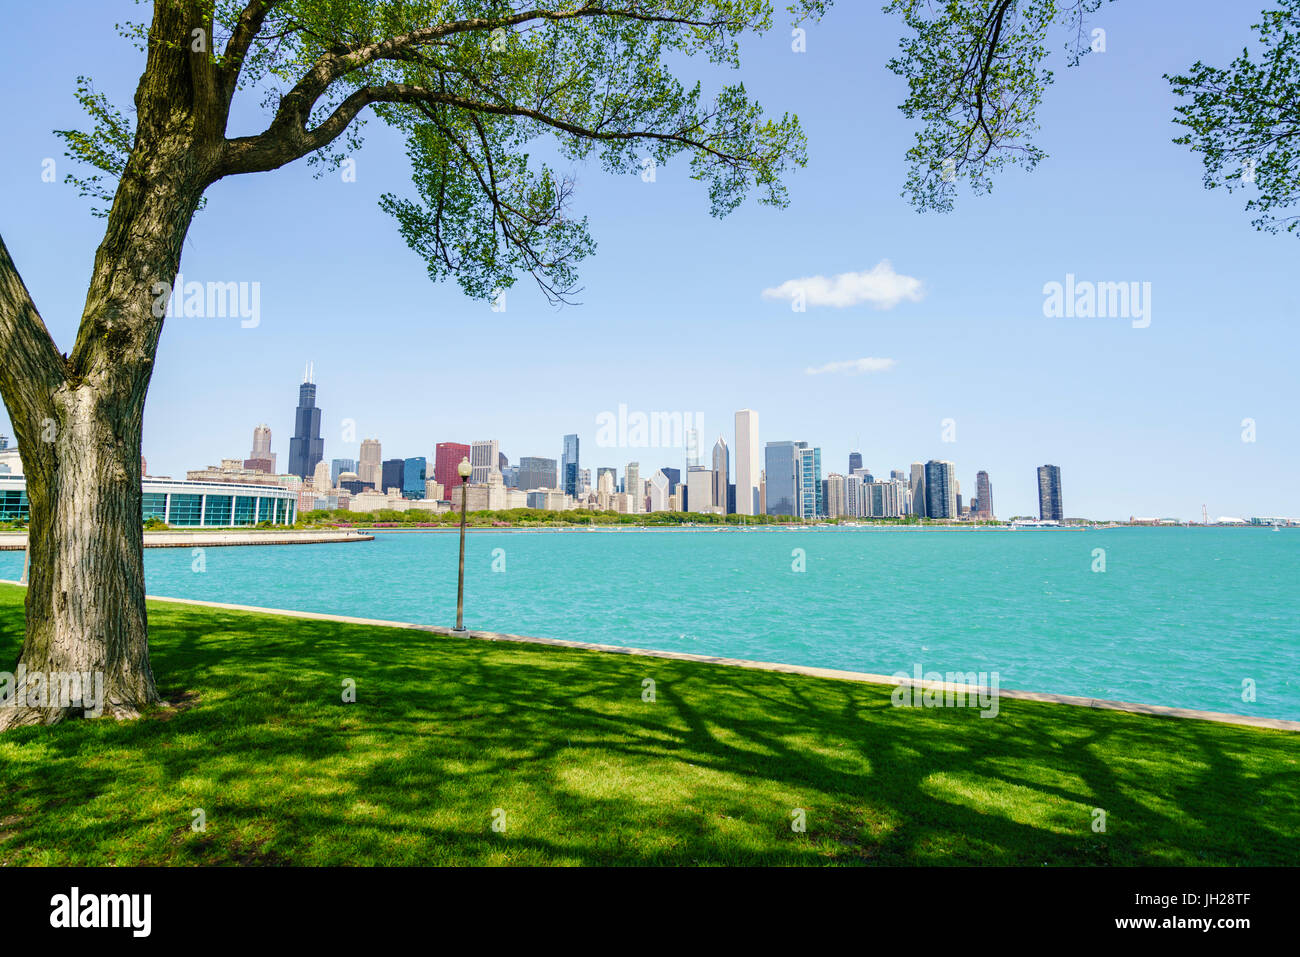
<point x="699" y="489"/>
<point x="658" y="485"/>
<point x="853" y="495"/>
<point x="485" y="459"/>
<point x="749" y="462"/>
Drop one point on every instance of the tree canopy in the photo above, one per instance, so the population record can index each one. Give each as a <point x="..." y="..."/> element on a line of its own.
<point x="1244" y="119"/>
<point x="471" y="84"/>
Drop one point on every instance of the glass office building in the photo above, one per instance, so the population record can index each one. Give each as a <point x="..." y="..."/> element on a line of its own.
<point x="184" y="504"/>
<point x="811" y="502"/>
<point x="569" y="462"/>
<point x="535" y="472"/>
<point x="940" y="489"/>
<point x="392" y="475"/>
<point x="781" y="465"/>
<point x="414" y="471"/>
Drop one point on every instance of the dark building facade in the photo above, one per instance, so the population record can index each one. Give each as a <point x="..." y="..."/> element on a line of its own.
<point x="1049" y="494"/>
<point x="983" y="503"/>
<point x="306" y="448"/>
<point x="855" y="461"/>
<point x="571" y="476"/>
<point x="537" y="472"/>
<point x="392" y="475"/>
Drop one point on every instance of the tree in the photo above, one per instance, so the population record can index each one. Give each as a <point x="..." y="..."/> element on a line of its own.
<point x="976" y="76"/>
<point x="470" y="83"/>
<point x="1244" y="120"/>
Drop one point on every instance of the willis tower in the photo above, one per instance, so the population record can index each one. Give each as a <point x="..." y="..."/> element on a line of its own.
<point x="306" y="448"/>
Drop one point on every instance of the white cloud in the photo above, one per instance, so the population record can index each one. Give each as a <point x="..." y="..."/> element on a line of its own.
<point x="854" y="366"/>
<point x="880" y="286"/>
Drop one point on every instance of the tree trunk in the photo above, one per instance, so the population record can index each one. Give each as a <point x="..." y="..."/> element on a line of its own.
<point x="78" y="417"/>
<point x="85" y="599"/>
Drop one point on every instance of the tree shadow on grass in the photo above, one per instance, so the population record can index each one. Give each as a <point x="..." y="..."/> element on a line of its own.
<point x="448" y="737"/>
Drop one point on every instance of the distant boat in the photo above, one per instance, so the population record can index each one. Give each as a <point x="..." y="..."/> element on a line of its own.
<point x="1030" y="523"/>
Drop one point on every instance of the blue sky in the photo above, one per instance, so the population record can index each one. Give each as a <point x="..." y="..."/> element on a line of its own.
<point x="672" y="317"/>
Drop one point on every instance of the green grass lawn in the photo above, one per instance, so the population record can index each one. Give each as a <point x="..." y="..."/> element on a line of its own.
<point x="445" y="732"/>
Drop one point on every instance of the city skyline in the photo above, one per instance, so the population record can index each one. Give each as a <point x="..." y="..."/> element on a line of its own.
<point x="809" y="494"/>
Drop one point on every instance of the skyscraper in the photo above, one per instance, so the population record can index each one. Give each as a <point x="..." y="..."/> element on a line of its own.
<point x="699" y="489"/>
<point x="748" y="463"/>
<point x="261" y="456"/>
<point x="809" y="495"/>
<point x="536" y="472"/>
<point x="780" y="465"/>
<point x="984" y="495"/>
<point x="392" y="474"/>
<point x="446" y="456"/>
<point x="306" y="448"/>
<point x="414" y="474"/>
<point x="836" y="501"/>
<point x="917" y="482"/>
<point x="721" y="473"/>
<point x="485" y="459"/>
<point x="1049" y="494"/>
<point x="855" y="461"/>
<point x="338" y="467"/>
<point x="569" y="473"/>
<point x="692" y="448"/>
<point x="633" y="487"/>
<point x="853" y="496"/>
<point x="320" y="479"/>
<point x="658" y="487"/>
<point x="370" y="470"/>
<point x="940" y="489"/>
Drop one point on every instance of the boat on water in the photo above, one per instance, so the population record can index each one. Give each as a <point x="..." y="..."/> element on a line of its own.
<point x="1047" y="524"/>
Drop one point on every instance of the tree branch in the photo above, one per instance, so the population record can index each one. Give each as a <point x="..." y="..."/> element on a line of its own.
<point x="287" y="137"/>
<point x="32" y="368"/>
<point x="246" y="29"/>
<point x="258" y="153"/>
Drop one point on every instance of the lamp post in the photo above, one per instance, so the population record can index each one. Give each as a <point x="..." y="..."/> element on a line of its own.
<point x="463" y="470"/>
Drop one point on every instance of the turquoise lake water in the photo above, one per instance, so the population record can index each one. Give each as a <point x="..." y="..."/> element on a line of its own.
<point x="1181" y="616"/>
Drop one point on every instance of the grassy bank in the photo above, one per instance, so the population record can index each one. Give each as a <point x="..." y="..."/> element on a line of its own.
<point x="445" y="732"/>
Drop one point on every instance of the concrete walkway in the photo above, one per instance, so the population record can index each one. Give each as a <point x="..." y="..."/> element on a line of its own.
<point x="17" y="541"/>
<point x="1278" y="724"/>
